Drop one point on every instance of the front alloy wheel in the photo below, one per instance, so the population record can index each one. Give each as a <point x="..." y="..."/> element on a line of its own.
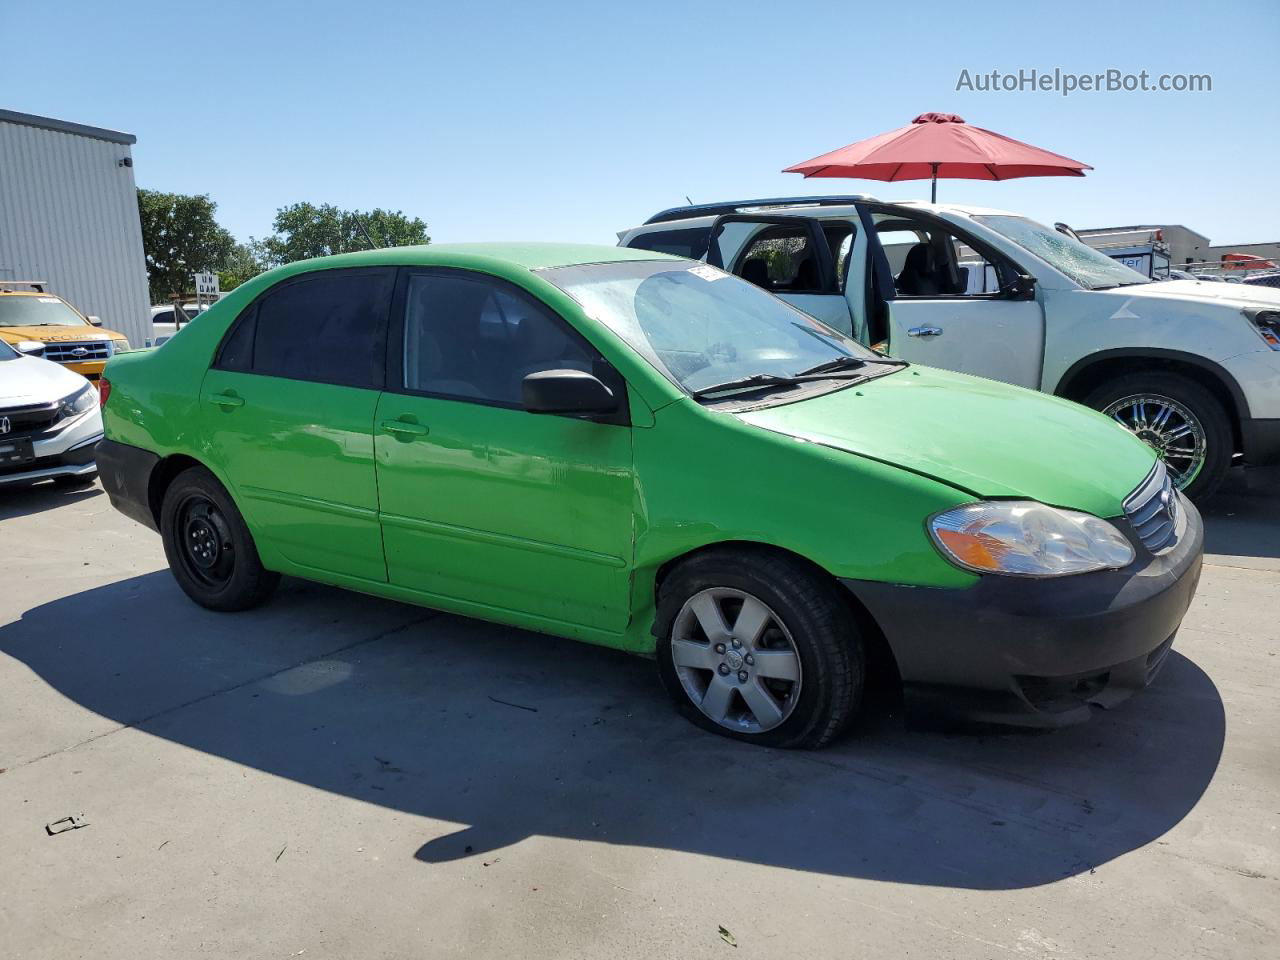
<point x="1167" y="427"/>
<point x="760" y="646"/>
<point x="736" y="660"/>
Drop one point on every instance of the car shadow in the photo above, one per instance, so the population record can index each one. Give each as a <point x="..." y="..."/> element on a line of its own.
<point x="21" y="500"/>
<point x="508" y="734"/>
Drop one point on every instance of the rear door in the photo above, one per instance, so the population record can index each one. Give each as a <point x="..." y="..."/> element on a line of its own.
<point x="950" y="300"/>
<point x="287" y="414"/>
<point x="794" y="258"/>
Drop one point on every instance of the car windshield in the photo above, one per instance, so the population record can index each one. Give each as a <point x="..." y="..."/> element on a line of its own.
<point x="37" y="312"/>
<point x="7" y="352"/>
<point x="1083" y="264"/>
<point x="700" y="326"/>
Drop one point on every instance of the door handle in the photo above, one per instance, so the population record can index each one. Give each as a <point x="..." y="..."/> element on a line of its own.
<point x="925" y="332"/>
<point x="226" y="399"/>
<point x="404" y="428"/>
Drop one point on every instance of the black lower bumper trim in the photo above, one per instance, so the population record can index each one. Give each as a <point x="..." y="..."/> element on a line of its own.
<point x="125" y="472"/>
<point x="1036" y="652"/>
<point x="1261" y="441"/>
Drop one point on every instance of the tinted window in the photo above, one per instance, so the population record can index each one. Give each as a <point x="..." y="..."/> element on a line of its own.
<point x="690" y="242"/>
<point x="477" y="339"/>
<point x="329" y="327"/>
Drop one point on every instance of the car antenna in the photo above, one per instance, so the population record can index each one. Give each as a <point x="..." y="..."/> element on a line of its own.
<point x="687" y="200"/>
<point x="365" y="231"/>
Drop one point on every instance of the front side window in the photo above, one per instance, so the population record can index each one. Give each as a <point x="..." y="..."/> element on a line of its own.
<point x="328" y="327"/>
<point x="24" y="311"/>
<point x="473" y="338"/>
<point x="700" y="326"/>
<point x="1083" y="264"/>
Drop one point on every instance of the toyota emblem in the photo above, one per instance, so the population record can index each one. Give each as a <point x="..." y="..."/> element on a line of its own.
<point x="5" y="425"/>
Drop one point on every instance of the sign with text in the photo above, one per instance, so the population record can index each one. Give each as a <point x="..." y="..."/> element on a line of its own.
<point x="207" y="286"/>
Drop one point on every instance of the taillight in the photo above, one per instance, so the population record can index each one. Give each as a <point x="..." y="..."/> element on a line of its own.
<point x="104" y="391"/>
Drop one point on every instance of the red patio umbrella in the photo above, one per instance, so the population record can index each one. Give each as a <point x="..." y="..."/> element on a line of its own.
<point x="937" y="145"/>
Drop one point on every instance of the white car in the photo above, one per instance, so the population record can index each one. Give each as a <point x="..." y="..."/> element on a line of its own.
<point x="164" y="320"/>
<point x="50" y="421"/>
<point x="1192" y="368"/>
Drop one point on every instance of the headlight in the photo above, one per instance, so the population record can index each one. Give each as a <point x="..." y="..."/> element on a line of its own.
<point x="80" y="401"/>
<point x="1266" y="322"/>
<point x="120" y="346"/>
<point x="1022" y="538"/>
<point x="32" y="348"/>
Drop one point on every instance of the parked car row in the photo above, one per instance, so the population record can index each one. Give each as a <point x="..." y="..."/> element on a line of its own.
<point x="765" y="442"/>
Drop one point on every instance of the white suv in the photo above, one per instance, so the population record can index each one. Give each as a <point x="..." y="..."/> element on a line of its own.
<point x="50" y="421"/>
<point x="1192" y="368"/>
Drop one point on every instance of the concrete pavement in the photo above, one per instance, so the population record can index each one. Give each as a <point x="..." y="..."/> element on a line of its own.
<point x="339" y="776"/>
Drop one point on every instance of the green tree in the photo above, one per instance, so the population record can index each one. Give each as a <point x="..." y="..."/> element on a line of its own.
<point x="244" y="262"/>
<point x="305" y="230"/>
<point x="180" y="237"/>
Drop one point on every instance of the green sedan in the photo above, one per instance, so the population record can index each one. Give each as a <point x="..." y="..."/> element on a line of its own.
<point x="647" y="453"/>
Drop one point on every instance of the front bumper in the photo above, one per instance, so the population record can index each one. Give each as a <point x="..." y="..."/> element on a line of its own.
<point x="1037" y="652"/>
<point x="67" y="450"/>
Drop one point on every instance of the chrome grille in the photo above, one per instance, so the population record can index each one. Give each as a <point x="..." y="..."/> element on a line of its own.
<point x="24" y="421"/>
<point x="1153" y="510"/>
<point x="77" y="351"/>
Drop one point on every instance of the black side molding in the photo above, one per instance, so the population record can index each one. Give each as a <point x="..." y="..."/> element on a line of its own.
<point x="125" y="472"/>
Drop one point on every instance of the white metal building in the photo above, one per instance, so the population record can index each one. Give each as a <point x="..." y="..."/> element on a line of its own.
<point x="69" y="215"/>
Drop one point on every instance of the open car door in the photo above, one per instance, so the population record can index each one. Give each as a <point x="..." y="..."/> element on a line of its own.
<point x="794" y="258"/>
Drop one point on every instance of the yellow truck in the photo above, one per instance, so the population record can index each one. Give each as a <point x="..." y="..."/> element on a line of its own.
<point x="42" y="324"/>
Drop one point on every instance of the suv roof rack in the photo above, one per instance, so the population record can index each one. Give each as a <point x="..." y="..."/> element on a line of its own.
<point x="37" y="285"/>
<point x="721" y="209"/>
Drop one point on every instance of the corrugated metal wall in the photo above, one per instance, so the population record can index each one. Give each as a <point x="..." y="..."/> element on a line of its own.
<point x="69" y="215"/>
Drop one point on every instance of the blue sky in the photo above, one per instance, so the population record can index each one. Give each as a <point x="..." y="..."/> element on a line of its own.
<point x="570" y="121"/>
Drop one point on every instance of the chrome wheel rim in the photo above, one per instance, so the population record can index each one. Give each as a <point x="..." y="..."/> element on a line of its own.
<point x="736" y="660"/>
<point x="1167" y="427"/>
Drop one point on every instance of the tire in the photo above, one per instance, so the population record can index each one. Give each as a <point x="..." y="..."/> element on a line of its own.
<point x="1186" y="400"/>
<point x="73" y="480"/>
<point x="210" y="550"/>
<point x="807" y="632"/>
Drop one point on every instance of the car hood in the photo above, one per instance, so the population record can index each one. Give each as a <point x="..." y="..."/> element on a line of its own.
<point x="986" y="438"/>
<point x="26" y="381"/>
<point x="58" y="334"/>
<point x="1227" y="294"/>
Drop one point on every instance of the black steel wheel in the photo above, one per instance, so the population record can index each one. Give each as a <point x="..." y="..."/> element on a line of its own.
<point x="209" y="548"/>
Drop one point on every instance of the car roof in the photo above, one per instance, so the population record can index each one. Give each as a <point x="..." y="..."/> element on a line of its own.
<point x="530" y="256"/>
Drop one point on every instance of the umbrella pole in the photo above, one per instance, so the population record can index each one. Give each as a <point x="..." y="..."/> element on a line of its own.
<point x="933" y="196"/>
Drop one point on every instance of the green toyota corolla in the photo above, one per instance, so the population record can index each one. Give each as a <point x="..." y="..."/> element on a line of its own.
<point x="644" y="452"/>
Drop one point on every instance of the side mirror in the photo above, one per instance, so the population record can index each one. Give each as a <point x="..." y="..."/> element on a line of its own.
<point x="96" y="321"/>
<point x="566" y="391"/>
<point x="1023" y="288"/>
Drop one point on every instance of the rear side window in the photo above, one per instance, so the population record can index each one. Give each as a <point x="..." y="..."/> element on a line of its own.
<point x="690" y="242"/>
<point x="328" y="327"/>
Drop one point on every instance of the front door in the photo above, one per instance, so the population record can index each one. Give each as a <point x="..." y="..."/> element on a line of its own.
<point x="513" y="515"/>
<point x="287" y="413"/>
<point x="801" y="260"/>
<point x="954" y="303"/>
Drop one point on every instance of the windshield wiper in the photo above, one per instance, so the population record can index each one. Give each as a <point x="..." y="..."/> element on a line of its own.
<point x="851" y="363"/>
<point x="759" y="381"/>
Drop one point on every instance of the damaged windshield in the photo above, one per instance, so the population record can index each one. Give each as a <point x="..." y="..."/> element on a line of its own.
<point x="1083" y="264"/>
